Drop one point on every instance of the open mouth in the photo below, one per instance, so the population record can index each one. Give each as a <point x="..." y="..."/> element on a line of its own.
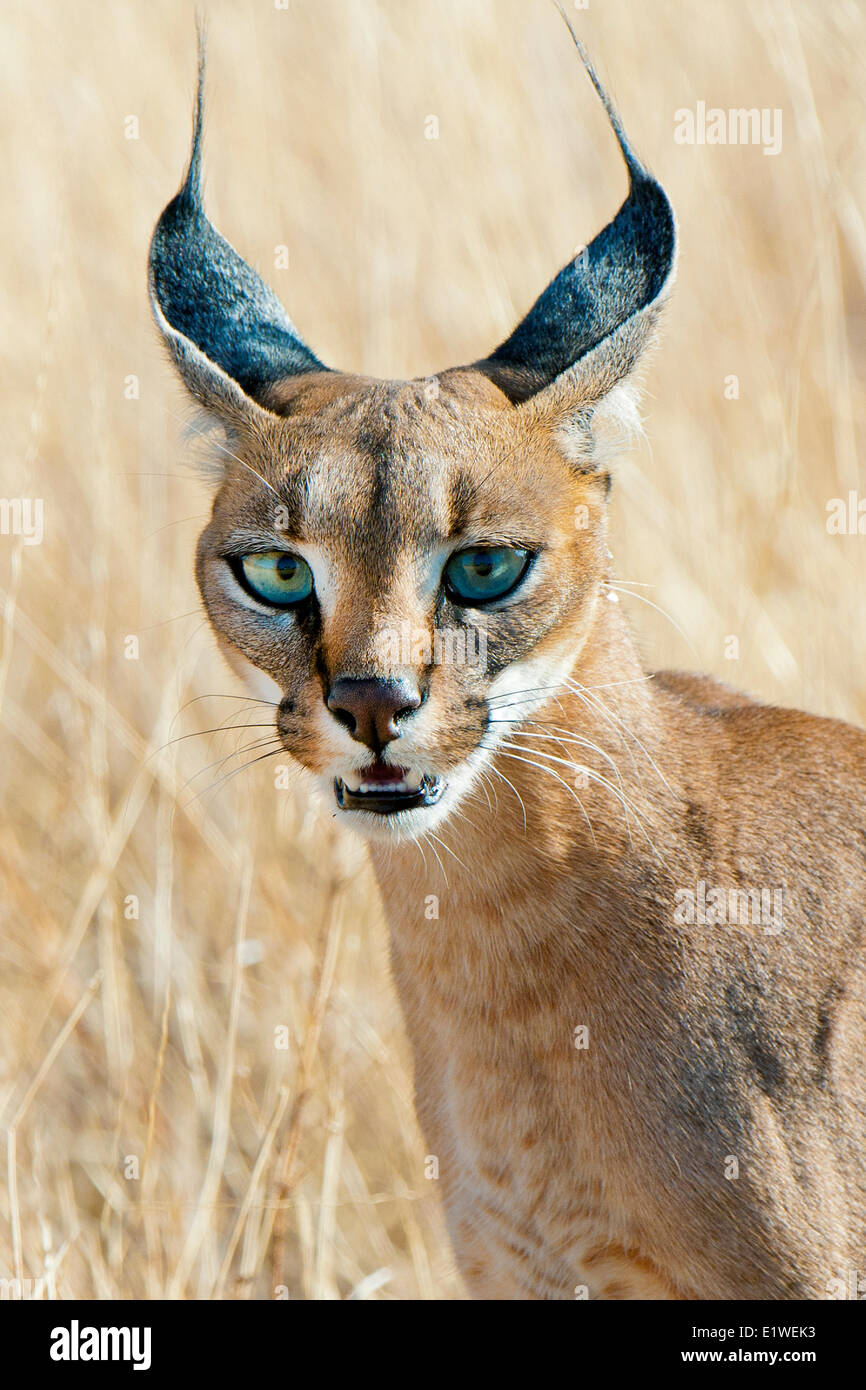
<point x="385" y="789"/>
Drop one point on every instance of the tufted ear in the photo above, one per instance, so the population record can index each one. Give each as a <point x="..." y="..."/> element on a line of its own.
<point x="590" y="326"/>
<point x="230" y="337"/>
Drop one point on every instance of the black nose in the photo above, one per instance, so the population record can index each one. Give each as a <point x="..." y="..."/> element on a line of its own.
<point x="370" y="709"/>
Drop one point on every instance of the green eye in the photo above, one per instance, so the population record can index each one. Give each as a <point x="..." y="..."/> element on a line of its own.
<point x="479" y="576"/>
<point x="276" y="577"/>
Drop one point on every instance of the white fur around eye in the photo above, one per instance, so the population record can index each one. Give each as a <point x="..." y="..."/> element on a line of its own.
<point x="428" y="570"/>
<point x="324" y="577"/>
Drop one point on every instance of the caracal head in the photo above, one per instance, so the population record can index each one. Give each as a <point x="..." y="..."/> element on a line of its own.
<point x="415" y="565"/>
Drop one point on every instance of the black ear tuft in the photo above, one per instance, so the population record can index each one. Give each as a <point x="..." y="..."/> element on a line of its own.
<point x="621" y="274"/>
<point x="202" y="290"/>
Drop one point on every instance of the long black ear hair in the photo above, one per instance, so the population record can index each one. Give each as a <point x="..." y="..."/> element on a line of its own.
<point x="225" y="328"/>
<point x="603" y="303"/>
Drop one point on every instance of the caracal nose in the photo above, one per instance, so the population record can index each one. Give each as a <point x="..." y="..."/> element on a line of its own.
<point x="371" y="708"/>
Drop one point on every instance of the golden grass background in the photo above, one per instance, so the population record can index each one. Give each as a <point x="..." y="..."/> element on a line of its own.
<point x="152" y="1038"/>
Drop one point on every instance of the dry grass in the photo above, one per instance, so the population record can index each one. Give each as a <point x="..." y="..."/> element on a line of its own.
<point x="152" y="1037"/>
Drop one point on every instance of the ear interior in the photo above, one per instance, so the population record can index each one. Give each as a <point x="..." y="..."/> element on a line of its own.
<point x="591" y="437"/>
<point x="213" y="389"/>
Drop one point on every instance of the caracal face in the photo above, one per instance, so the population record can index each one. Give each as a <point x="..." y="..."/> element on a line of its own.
<point x="377" y="487"/>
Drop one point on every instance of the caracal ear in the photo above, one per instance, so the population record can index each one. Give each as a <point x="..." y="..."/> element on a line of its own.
<point x="230" y="337"/>
<point x="588" y="329"/>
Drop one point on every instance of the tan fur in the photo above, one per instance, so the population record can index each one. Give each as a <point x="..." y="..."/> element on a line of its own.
<point x="544" y="899"/>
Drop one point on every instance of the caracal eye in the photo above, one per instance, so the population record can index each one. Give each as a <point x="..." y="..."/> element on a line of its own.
<point x="276" y="577"/>
<point x="485" y="573"/>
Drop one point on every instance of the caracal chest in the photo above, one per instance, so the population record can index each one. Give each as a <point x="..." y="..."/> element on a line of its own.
<point x="511" y="1099"/>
